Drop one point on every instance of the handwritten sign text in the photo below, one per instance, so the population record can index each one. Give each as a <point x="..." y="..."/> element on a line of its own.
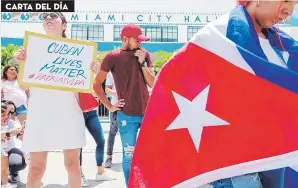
<point x="58" y="63"/>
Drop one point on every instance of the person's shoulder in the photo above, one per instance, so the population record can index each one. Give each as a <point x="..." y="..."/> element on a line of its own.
<point x="111" y="55"/>
<point x="115" y="53"/>
<point x="3" y="81"/>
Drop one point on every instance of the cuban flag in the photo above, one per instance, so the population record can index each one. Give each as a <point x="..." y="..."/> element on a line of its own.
<point x="220" y="109"/>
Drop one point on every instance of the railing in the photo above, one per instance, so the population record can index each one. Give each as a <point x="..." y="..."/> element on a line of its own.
<point x="104" y="113"/>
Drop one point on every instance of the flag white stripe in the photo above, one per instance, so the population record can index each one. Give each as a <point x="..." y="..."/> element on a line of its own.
<point x="295" y="168"/>
<point x="240" y="169"/>
<point x="213" y="38"/>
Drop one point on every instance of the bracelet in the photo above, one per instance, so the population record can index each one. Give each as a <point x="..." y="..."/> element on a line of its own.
<point x="13" y="61"/>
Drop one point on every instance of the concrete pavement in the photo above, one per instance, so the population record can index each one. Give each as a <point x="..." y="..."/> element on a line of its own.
<point x="56" y="176"/>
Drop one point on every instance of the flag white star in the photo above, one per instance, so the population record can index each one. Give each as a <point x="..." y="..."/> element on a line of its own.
<point x="193" y="116"/>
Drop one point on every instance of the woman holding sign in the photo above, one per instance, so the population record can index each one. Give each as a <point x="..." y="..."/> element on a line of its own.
<point x="55" y="120"/>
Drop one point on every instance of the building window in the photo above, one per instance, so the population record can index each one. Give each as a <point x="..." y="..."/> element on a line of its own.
<point x="117" y="31"/>
<point x="192" y="30"/>
<point x="87" y="32"/>
<point x="155" y="33"/>
<point x="170" y="34"/>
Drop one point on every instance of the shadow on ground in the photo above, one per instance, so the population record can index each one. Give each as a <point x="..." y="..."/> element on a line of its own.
<point x="117" y="167"/>
<point x="92" y="183"/>
<point x="55" y="186"/>
<point x="22" y="185"/>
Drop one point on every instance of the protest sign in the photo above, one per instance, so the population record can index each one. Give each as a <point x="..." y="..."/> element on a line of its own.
<point x="57" y="63"/>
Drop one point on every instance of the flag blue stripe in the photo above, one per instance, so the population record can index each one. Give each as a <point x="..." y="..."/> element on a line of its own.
<point x="241" y="31"/>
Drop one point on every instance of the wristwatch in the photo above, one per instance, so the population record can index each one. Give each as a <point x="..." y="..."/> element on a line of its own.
<point x="143" y="64"/>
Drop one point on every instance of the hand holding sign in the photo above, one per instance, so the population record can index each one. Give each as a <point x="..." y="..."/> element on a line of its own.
<point x="20" y="55"/>
<point x="95" y="67"/>
<point x="57" y="63"/>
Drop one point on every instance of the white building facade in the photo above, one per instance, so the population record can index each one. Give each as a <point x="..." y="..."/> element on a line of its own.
<point x="169" y="23"/>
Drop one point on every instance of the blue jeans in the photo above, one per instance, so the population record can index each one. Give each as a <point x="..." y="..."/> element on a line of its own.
<point x="244" y="181"/>
<point x="94" y="127"/>
<point x="128" y="128"/>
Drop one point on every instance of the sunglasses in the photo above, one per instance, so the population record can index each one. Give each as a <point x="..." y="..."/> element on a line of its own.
<point x="45" y="15"/>
<point x="12" y="113"/>
<point x="13" y="70"/>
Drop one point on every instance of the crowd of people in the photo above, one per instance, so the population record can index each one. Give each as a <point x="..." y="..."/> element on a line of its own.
<point x="78" y="111"/>
<point x="13" y="116"/>
<point x="129" y="75"/>
<point x="13" y="159"/>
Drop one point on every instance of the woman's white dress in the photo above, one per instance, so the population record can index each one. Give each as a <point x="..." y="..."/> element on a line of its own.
<point x="55" y="121"/>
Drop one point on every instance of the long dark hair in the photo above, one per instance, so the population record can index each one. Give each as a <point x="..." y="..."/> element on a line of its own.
<point x="5" y="69"/>
<point x="63" y="22"/>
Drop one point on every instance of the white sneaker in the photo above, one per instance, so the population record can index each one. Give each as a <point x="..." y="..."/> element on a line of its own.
<point x="85" y="182"/>
<point x="104" y="177"/>
<point x="8" y="185"/>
